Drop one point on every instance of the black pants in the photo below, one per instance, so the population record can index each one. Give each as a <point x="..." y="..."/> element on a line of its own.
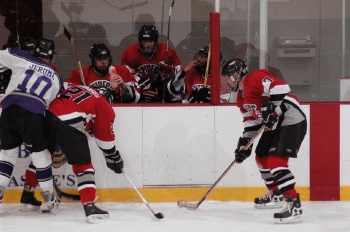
<point x="73" y="142"/>
<point x="285" y="140"/>
<point x="19" y="126"/>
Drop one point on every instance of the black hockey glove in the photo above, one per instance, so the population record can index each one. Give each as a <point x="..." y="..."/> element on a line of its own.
<point x="241" y="154"/>
<point x="149" y="96"/>
<point x="166" y="70"/>
<point x="268" y="114"/>
<point x="115" y="162"/>
<point x="201" y="95"/>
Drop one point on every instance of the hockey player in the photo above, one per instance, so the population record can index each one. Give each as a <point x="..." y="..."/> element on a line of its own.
<point x="27" y="198"/>
<point x="101" y="74"/>
<point x="188" y="85"/>
<point x="153" y="64"/>
<point x="33" y="85"/>
<point x="84" y="109"/>
<point x="265" y="100"/>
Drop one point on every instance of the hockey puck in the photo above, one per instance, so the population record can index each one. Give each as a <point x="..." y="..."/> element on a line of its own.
<point x="45" y="211"/>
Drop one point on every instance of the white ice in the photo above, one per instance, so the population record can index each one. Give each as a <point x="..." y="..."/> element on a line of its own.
<point x="211" y="216"/>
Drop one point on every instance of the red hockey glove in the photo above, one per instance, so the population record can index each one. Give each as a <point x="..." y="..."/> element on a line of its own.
<point x="166" y="70"/>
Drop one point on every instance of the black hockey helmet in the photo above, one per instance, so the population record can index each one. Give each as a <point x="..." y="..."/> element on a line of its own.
<point x="98" y="50"/>
<point x="45" y="48"/>
<point x="233" y="66"/>
<point x="28" y="44"/>
<point x="107" y="93"/>
<point x="148" y="33"/>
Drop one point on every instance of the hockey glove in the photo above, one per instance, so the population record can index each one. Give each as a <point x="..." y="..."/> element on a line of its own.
<point x="115" y="162"/>
<point x="149" y="96"/>
<point x="145" y="83"/>
<point x="201" y="95"/>
<point x="166" y="70"/>
<point x="240" y="153"/>
<point x="268" y="114"/>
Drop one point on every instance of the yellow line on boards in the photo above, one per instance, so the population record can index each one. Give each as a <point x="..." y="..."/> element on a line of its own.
<point x="172" y="194"/>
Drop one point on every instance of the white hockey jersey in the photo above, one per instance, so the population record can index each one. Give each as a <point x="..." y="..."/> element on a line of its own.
<point x="33" y="84"/>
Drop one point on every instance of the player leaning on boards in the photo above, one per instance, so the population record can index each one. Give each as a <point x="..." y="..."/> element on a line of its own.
<point x="33" y="85"/>
<point x="265" y="100"/>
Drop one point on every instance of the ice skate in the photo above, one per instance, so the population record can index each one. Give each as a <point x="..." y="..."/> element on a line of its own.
<point x="291" y="213"/>
<point x="94" y="214"/>
<point x="28" y="200"/>
<point x="272" y="200"/>
<point x="52" y="201"/>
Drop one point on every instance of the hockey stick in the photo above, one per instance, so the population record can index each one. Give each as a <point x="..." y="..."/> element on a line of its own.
<point x="194" y="206"/>
<point x="157" y="215"/>
<point x="207" y="67"/>
<point x="60" y="194"/>
<point x="168" y="35"/>
<point x="72" y="40"/>
<point x="17" y="24"/>
<point x="167" y="48"/>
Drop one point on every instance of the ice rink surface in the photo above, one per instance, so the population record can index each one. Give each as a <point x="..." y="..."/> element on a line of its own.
<point x="211" y="216"/>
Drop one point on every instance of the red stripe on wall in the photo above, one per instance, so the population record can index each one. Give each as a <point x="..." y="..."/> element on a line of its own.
<point x="324" y="152"/>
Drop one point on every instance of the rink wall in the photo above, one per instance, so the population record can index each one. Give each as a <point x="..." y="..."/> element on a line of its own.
<point x="174" y="152"/>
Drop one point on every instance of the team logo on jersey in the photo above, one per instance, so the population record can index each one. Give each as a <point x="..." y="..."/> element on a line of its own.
<point x="101" y="84"/>
<point x="250" y="107"/>
<point x="253" y="110"/>
<point x="148" y="71"/>
<point x="200" y="86"/>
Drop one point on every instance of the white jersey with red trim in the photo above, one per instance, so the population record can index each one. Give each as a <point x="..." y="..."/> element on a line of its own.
<point x="260" y="86"/>
<point x="84" y="105"/>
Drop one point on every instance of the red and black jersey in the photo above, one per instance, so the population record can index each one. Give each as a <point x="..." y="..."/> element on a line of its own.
<point x="260" y="86"/>
<point x="96" y="82"/>
<point x="83" y="105"/>
<point x="144" y="67"/>
<point x="147" y="70"/>
<point x="195" y="80"/>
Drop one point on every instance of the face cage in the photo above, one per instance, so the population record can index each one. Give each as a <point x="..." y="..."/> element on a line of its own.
<point x="101" y="72"/>
<point x="236" y="81"/>
<point x="151" y="53"/>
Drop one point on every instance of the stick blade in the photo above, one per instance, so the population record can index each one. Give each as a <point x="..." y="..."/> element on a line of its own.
<point x="159" y="215"/>
<point x="73" y="197"/>
<point x="66" y="33"/>
<point x="187" y="205"/>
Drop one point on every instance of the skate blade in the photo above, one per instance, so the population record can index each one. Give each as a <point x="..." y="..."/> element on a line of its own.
<point x="269" y="206"/>
<point x="28" y="207"/>
<point x="97" y="218"/>
<point x="292" y="219"/>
